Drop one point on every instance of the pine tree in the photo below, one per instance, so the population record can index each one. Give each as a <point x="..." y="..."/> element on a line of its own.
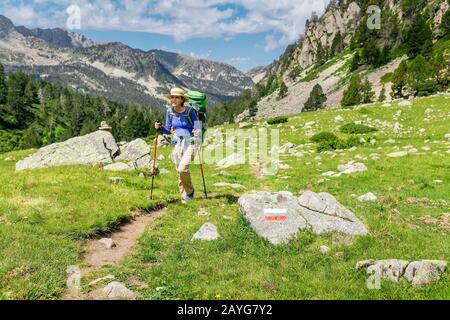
<point x="445" y="25"/>
<point x="338" y="44"/>
<point x="367" y="92"/>
<point x="320" y="54"/>
<point x="3" y="88"/>
<point x="399" y="80"/>
<point x="371" y="54"/>
<point x="418" y="35"/>
<point x="252" y="108"/>
<point x="419" y="72"/>
<point x="283" y="90"/>
<point x="356" y="61"/>
<point x="382" y="96"/>
<point x="353" y="95"/>
<point x="439" y="67"/>
<point x="316" y="99"/>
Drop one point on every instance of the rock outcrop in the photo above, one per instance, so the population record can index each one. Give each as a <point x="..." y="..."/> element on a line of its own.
<point x="98" y="147"/>
<point x="279" y="216"/>
<point x="93" y="148"/>
<point x="418" y="273"/>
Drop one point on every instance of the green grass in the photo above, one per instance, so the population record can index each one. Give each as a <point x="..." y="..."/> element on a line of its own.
<point x="47" y="215"/>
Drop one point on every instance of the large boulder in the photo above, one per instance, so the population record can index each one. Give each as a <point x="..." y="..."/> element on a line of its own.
<point x="116" y="290"/>
<point x="279" y="216"/>
<point x="136" y="152"/>
<point x="207" y="232"/>
<point x="424" y="272"/>
<point x="93" y="148"/>
<point x="418" y="273"/>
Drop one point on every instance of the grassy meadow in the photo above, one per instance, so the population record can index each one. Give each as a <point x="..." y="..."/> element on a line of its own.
<point x="47" y="215"/>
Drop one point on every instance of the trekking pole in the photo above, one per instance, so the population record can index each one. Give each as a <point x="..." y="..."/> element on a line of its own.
<point x="155" y="144"/>
<point x="201" y="169"/>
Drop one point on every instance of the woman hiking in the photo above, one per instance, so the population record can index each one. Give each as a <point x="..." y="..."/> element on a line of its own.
<point x="180" y="123"/>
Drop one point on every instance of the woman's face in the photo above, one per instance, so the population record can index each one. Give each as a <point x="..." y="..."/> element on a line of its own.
<point x="176" y="101"/>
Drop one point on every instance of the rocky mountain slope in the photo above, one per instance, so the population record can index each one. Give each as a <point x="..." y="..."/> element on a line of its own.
<point x="113" y="69"/>
<point x="323" y="55"/>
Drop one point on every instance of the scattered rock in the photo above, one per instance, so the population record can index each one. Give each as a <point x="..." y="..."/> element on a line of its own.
<point x="161" y="157"/>
<point x="319" y="213"/>
<point x="390" y="270"/>
<point x="94" y="148"/>
<point x="424" y="272"/>
<point x="367" y="197"/>
<point x="428" y="111"/>
<point x="364" y="264"/>
<point x="230" y="185"/>
<point x="228" y="218"/>
<point x="418" y="273"/>
<point x="108" y="277"/>
<point x="324" y="249"/>
<point x="231" y="160"/>
<point x="107" y="242"/>
<point x="116" y="290"/>
<point x="397" y="154"/>
<point x="288" y="147"/>
<point x="390" y="141"/>
<point x="136" y="153"/>
<point x="118" y="166"/>
<point x="116" y="180"/>
<point x="352" y="168"/>
<point x="338" y="119"/>
<point x="164" y="171"/>
<point x="203" y="213"/>
<point x="405" y="103"/>
<point x="207" y="232"/>
<point x="244" y="125"/>
<point x="222" y="173"/>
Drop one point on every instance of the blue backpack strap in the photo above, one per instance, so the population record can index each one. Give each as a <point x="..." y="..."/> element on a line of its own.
<point x="188" y="115"/>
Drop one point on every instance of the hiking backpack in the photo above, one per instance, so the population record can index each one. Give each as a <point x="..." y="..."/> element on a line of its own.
<point x="197" y="101"/>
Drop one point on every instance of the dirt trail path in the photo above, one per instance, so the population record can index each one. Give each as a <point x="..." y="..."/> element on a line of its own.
<point x="97" y="255"/>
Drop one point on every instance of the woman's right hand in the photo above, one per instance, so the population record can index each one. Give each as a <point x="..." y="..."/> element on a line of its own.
<point x="158" y="125"/>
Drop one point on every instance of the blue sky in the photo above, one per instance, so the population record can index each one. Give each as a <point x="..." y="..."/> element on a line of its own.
<point x="243" y="33"/>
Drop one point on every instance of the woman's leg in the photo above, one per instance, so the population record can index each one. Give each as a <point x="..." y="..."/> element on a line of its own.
<point x="185" y="181"/>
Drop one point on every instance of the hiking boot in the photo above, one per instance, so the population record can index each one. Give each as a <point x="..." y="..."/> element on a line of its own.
<point x="188" y="198"/>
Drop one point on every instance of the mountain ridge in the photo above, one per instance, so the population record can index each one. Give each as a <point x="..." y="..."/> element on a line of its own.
<point x="114" y="69"/>
<point x="324" y="54"/>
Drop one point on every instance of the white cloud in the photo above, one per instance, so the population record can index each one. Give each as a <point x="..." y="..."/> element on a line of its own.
<point x="183" y="20"/>
<point x="271" y="43"/>
<point x="238" y="61"/>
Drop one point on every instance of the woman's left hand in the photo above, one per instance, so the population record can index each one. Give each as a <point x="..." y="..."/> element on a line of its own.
<point x="196" y="133"/>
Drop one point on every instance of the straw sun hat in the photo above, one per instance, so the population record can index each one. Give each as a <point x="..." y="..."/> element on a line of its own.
<point x="177" y="92"/>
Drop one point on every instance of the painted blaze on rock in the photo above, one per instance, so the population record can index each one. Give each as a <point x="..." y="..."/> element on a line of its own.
<point x="317" y="212"/>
